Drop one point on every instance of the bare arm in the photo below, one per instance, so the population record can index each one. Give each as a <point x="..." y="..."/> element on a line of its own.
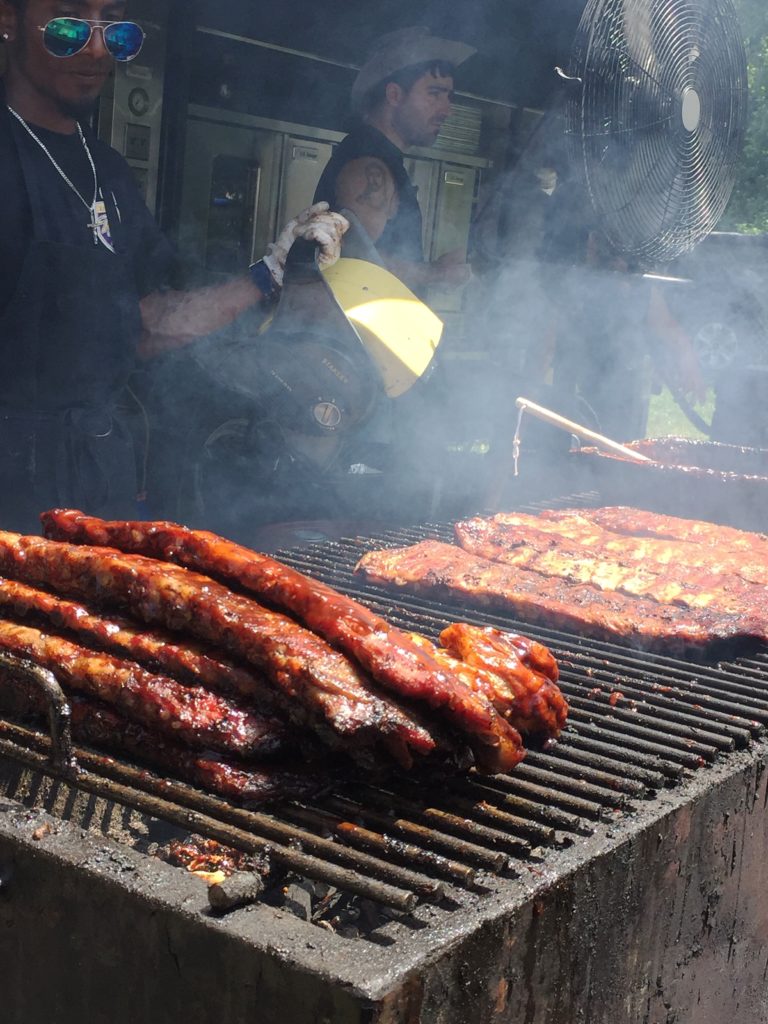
<point x="679" y="363"/>
<point x="448" y="271"/>
<point x="366" y="187"/>
<point x="173" y="319"/>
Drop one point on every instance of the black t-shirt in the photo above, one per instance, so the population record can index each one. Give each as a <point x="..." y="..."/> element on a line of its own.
<point x="402" y="237"/>
<point x="135" y="233"/>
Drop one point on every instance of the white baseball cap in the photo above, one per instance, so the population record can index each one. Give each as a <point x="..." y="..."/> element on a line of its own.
<point x="402" y="49"/>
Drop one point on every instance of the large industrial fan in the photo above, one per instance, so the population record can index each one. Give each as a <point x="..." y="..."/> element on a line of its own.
<point x="656" y="118"/>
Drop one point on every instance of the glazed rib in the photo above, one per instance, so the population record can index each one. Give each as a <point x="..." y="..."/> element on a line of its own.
<point x="741" y="552"/>
<point x="444" y="571"/>
<point x="637" y="522"/>
<point x="491" y="687"/>
<point x="386" y="653"/>
<point x="189" y="662"/>
<point x="97" y="724"/>
<point x="539" y="707"/>
<point x="704" y="552"/>
<point x="316" y="685"/>
<point x="627" y="566"/>
<point x="534" y="655"/>
<point x="105" y="728"/>
<point x="191" y="715"/>
<point x="491" y="663"/>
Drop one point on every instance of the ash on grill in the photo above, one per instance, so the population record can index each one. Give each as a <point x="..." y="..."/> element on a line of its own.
<point x="235" y="879"/>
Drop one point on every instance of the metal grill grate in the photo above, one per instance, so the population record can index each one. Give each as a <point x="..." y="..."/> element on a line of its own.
<point x="639" y="723"/>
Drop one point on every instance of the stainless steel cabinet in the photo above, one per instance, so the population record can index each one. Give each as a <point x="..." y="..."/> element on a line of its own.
<point x="423" y="174"/>
<point x="229" y="194"/>
<point x="447" y="192"/>
<point x="303" y="163"/>
<point x="456" y="189"/>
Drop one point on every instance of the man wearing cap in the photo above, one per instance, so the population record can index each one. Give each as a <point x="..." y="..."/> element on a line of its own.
<point x="402" y="95"/>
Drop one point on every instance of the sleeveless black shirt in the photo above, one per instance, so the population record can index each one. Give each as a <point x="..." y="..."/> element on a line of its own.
<point x="402" y="237"/>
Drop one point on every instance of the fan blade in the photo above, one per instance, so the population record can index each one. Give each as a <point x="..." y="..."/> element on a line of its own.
<point x="658" y="123"/>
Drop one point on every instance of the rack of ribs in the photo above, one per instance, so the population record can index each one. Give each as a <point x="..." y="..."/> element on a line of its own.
<point x="538" y="707"/>
<point x="666" y="571"/>
<point x="189" y="662"/>
<point x="247" y="784"/>
<point x="388" y="655"/>
<point x="510" y="676"/>
<point x="105" y="728"/>
<point x="317" y="687"/>
<point x="189" y="714"/>
<point x="448" y="573"/>
<point x="646" y="565"/>
<point x="638" y="523"/>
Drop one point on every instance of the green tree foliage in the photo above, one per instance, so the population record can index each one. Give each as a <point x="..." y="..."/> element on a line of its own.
<point x="748" y="209"/>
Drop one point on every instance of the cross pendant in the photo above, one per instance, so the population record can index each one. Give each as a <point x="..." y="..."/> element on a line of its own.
<point x="93" y="224"/>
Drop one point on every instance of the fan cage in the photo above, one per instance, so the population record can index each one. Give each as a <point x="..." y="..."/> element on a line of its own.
<point x="659" y="119"/>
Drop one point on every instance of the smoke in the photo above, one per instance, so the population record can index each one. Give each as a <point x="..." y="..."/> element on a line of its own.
<point x="552" y="313"/>
<point x="570" y="318"/>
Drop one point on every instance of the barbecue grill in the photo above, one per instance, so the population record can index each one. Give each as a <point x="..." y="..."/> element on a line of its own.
<point x="615" y="876"/>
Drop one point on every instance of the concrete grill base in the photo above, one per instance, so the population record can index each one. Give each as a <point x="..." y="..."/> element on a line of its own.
<point x="659" y="918"/>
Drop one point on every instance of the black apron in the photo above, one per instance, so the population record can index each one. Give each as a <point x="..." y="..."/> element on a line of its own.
<point x="67" y="344"/>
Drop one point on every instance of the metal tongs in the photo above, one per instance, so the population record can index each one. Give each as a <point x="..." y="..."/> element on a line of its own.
<point x="583" y="433"/>
<point x="59" y="712"/>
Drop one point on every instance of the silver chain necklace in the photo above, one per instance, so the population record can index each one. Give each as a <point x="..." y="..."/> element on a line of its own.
<point x="93" y="224"/>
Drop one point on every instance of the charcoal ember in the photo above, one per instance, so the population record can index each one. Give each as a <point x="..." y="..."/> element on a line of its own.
<point x="325" y="905"/>
<point x="198" y="854"/>
<point x="370" y="915"/>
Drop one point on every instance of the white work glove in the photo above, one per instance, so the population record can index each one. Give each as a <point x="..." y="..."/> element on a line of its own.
<point x="316" y="224"/>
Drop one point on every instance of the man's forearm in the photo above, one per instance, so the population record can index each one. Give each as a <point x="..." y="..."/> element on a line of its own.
<point x="442" y="273"/>
<point x="416" y="276"/>
<point x="173" y="319"/>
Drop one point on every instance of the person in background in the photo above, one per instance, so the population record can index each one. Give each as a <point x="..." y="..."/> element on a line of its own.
<point x="84" y="270"/>
<point x="615" y="335"/>
<point x="571" y="324"/>
<point x="401" y="97"/>
<point x="510" y="305"/>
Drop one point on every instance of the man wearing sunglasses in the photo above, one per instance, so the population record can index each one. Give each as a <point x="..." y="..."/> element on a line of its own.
<point x="84" y="270"/>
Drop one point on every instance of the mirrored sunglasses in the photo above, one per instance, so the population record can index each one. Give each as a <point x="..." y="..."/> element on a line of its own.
<point x="64" y="37"/>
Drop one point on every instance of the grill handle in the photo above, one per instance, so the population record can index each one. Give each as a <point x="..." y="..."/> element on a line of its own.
<point x="525" y="405"/>
<point x="59" y="711"/>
